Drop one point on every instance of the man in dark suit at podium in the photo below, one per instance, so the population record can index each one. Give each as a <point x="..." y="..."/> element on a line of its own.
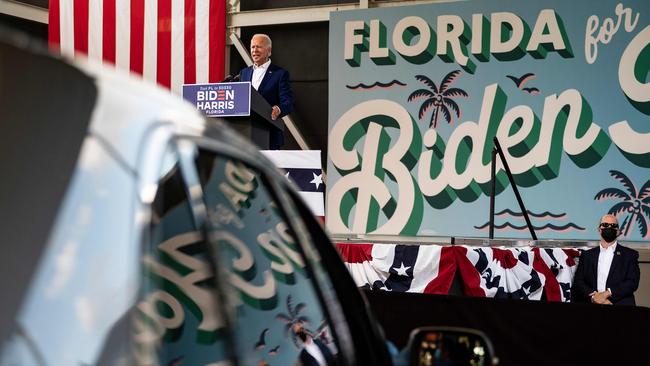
<point x="271" y="81"/>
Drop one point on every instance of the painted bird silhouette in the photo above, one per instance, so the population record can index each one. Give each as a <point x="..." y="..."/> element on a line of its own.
<point x="261" y="343"/>
<point x="274" y="351"/>
<point x="521" y="81"/>
<point x="533" y="91"/>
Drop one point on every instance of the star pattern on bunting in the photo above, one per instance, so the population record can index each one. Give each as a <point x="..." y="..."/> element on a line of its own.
<point x="318" y="179"/>
<point x="402" y="269"/>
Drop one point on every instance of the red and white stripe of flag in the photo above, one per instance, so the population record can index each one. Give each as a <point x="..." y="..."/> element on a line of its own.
<point x="307" y="159"/>
<point x="169" y="42"/>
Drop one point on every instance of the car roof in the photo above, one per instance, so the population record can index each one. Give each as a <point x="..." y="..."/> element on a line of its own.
<point x="44" y="114"/>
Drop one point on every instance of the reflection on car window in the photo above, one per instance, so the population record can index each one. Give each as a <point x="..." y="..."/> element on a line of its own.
<point x="177" y="318"/>
<point x="278" y="318"/>
<point x="86" y="276"/>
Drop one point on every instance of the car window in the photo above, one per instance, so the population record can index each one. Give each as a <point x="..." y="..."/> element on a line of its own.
<point x="86" y="278"/>
<point x="276" y="308"/>
<point x="364" y="337"/>
<point x="177" y="319"/>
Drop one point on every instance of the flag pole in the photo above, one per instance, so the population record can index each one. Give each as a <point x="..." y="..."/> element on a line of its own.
<point x="497" y="147"/>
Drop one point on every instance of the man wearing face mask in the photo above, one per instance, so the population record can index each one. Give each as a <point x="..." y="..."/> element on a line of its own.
<point x="608" y="274"/>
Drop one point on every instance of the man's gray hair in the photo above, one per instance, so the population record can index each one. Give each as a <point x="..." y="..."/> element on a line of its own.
<point x="610" y="215"/>
<point x="266" y="38"/>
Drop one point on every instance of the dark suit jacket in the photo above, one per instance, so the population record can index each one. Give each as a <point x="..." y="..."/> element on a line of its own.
<point x="307" y="360"/>
<point x="276" y="89"/>
<point x="623" y="278"/>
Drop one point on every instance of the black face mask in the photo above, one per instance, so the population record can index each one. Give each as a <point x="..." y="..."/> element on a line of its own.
<point x="609" y="234"/>
<point x="302" y="335"/>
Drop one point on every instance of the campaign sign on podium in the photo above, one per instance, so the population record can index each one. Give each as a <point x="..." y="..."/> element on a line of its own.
<point x="220" y="99"/>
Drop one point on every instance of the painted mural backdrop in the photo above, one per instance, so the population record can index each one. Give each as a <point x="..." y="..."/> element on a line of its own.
<point x="418" y="93"/>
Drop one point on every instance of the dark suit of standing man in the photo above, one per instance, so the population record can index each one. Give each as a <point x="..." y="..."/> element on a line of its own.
<point x="307" y="359"/>
<point x="271" y="81"/>
<point x="608" y="274"/>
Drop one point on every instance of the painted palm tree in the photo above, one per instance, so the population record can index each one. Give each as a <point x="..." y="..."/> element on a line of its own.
<point x="293" y="317"/>
<point x="636" y="204"/>
<point x="440" y="99"/>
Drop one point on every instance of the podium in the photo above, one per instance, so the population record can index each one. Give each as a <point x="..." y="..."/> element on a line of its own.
<point x="239" y="105"/>
<point x="257" y="126"/>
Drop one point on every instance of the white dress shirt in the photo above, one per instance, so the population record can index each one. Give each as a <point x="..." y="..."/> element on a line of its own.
<point x="315" y="352"/>
<point x="258" y="74"/>
<point x="605" y="258"/>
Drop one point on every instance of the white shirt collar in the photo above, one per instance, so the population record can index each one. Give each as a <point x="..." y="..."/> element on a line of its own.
<point x="312" y="348"/>
<point x="610" y="248"/>
<point x="263" y="66"/>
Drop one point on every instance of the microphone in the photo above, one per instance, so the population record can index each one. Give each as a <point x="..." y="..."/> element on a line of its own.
<point x="230" y="78"/>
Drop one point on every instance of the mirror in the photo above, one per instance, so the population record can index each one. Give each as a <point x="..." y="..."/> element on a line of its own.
<point x="446" y="346"/>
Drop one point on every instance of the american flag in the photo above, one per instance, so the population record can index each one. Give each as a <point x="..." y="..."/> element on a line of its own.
<point x="303" y="168"/>
<point x="169" y="42"/>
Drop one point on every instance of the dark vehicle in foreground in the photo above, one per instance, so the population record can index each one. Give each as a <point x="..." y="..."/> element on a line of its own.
<point x="137" y="232"/>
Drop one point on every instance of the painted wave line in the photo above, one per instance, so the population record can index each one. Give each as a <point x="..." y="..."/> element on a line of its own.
<point x="543" y="215"/>
<point x="376" y="84"/>
<point x="551" y="227"/>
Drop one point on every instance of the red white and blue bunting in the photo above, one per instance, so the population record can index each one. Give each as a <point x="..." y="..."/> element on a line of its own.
<point x="517" y="273"/>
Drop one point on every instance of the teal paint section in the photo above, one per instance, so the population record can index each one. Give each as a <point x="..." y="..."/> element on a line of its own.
<point x="563" y="84"/>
